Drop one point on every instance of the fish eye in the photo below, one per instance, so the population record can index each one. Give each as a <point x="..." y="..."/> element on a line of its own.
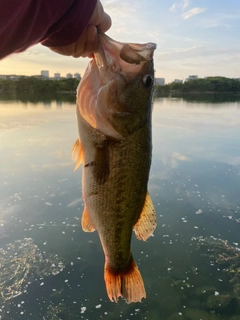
<point x="148" y="80"/>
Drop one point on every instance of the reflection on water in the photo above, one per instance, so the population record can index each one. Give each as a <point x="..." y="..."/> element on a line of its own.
<point x="33" y="98"/>
<point x="213" y="98"/>
<point x="195" y="186"/>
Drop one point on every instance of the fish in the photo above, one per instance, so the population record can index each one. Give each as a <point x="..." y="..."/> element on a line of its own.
<point x="114" y="111"/>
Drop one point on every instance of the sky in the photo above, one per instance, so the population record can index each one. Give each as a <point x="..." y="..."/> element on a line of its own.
<point x="193" y="37"/>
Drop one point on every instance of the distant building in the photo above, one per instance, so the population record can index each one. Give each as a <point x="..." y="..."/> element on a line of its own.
<point x="77" y="76"/>
<point x="193" y="77"/>
<point x="12" y="76"/>
<point x="178" y="81"/>
<point x="45" y="73"/>
<point x="69" y="75"/>
<point x="15" y="77"/>
<point x="57" y="76"/>
<point x="160" y="81"/>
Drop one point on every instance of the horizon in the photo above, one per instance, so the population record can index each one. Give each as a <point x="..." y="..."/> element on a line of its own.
<point x="192" y="36"/>
<point x="73" y="77"/>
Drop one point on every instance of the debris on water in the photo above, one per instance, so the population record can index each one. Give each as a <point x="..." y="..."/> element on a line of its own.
<point x="225" y="255"/>
<point x="59" y="311"/>
<point x="21" y="263"/>
<point x="222" y="303"/>
<point x="83" y="309"/>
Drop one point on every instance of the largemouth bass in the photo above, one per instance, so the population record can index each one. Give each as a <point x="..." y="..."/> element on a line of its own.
<point x="114" y="108"/>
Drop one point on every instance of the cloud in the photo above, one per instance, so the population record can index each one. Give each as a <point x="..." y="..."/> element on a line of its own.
<point x="220" y="20"/>
<point x="176" y="157"/>
<point x="33" y="52"/>
<point x="75" y="203"/>
<point x="194" y="55"/>
<point x="185" y="4"/>
<point x="181" y="5"/>
<point x="113" y="7"/>
<point x="61" y="154"/>
<point x="192" y="13"/>
<point x="51" y="166"/>
<point x="180" y="157"/>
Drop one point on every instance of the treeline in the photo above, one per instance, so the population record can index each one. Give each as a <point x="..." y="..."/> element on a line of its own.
<point x="210" y="84"/>
<point x="35" y="85"/>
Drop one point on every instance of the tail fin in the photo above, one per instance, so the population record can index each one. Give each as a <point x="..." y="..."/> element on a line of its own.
<point x="127" y="284"/>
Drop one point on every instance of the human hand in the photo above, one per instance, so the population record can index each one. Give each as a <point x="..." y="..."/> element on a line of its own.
<point x="87" y="43"/>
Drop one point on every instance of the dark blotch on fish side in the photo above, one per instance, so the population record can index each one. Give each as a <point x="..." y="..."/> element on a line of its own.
<point x="90" y="164"/>
<point x="101" y="164"/>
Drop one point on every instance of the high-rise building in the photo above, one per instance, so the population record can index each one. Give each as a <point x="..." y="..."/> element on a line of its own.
<point x="69" y="75"/>
<point x="160" y="81"/>
<point x="45" y="73"/>
<point x="193" y="77"/>
<point x="57" y="76"/>
<point x="178" y="81"/>
<point x="77" y="76"/>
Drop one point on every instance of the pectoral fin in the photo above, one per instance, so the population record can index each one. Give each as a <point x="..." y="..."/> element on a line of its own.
<point x="77" y="153"/>
<point x="86" y="223"/>
<point x="147" y="222"/>
<point x="101" y="163"/>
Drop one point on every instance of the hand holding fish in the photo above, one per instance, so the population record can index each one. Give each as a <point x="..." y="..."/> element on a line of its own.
<point x="87" y="43"/>
<point x="66" y="27"/>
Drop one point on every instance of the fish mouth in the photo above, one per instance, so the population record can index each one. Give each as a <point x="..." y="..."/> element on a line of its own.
<point x="124" y="58"/>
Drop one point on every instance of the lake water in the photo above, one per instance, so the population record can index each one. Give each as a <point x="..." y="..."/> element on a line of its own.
<point x="50" y="269"/>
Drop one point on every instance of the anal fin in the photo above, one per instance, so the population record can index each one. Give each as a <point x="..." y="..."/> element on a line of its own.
<point x="147" y="221"/>
<point x="86" y="223"/>
<point x="77" y="153"/>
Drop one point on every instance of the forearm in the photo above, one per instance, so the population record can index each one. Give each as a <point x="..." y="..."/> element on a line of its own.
<point x="52" y="22"/>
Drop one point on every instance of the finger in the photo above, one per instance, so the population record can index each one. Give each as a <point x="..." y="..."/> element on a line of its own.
<point x="64" y="50"/>
<point x="79" y="46"/>
<point x="100" y="18"/>
<point x="106" y="23"/>
<point x="91" y="44"/>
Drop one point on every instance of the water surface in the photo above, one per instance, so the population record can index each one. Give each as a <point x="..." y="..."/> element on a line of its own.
<point x="53" y="270"/>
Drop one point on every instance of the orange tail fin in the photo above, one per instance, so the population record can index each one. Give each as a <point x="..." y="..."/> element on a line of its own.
<point x="127" y="284"/>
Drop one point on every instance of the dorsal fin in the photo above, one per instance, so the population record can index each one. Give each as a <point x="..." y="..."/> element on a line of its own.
<point x="147" y="222"/>
<point x="77" y="153"/>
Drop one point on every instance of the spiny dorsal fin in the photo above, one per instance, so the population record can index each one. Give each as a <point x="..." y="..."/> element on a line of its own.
<point x="147" y="222"/>
<point x="77" y="153"/>
<point x="86" y="223"/>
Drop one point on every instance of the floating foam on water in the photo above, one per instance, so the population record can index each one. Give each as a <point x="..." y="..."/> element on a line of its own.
<point x="22" y="262"/>
<point x="83" y="309"/>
